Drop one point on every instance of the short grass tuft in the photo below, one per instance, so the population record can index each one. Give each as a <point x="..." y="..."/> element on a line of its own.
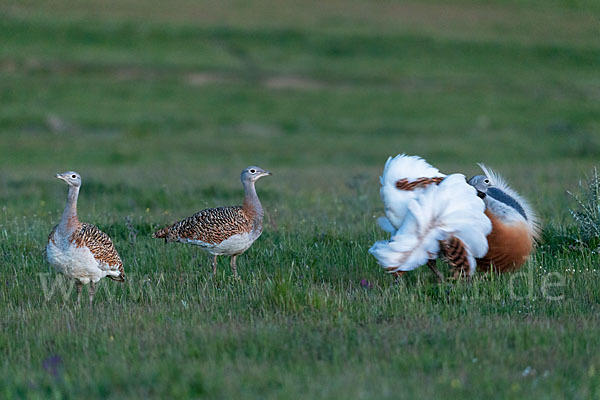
<point x="587" y="215"/>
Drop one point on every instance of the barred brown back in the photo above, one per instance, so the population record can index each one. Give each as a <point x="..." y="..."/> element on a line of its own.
<point x="212" y="225"/>
<point x="455" y="253"/>
<point x="404" y="184"/>
<point x="99" y="243"/>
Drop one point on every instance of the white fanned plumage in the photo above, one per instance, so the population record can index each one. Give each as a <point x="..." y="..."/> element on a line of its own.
<point x="396" y="201"/>
<point x="424" y="217"/>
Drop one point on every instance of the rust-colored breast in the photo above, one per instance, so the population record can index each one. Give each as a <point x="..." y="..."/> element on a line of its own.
<point x="404" y="184"/>
<point x="509" y="246"/>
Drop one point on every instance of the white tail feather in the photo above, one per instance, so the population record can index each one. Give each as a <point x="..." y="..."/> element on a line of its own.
<point x="434" y="214"/>
<point x="386" y="225"/>
<point x="402" y="167"/>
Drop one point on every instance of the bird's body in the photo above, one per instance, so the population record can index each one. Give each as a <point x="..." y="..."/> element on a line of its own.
<point x="79" y="250"/>
<point x="86" y="254"/>
<point x="219" y="231"/>
<point x="224" y="230"/>
<point x="429" y="215"/>
<point x="509" y="246"/>
<point x="515" y="226"/>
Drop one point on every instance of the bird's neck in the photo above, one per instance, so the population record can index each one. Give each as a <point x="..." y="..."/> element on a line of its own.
<point x="69" y="219"/>
<point x="252" y="206"/>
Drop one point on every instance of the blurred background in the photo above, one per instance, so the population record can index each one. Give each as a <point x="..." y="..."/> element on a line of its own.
<point x="159" y="105"/>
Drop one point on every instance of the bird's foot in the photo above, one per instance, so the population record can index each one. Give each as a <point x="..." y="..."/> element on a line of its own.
<point x="460" y="274"/>
<point x="431" y="264"/>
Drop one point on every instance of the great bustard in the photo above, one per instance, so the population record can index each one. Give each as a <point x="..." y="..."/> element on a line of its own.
<point x="224" y="230"/>
<point x="429" y="215"/>
<point x="515" y="226"/>
<point x="81" y="251"/>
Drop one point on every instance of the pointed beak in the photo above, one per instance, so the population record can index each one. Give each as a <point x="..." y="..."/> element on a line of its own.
<point x="268" y="173"/>
<point x="60" y="176"/>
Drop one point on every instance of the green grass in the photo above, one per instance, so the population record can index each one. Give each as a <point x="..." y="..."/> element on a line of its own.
<point x="160" y="107"/>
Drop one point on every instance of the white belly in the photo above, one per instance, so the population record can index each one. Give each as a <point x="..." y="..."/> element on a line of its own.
<point x="75" y="262"/>
<point x="236" y="244"/>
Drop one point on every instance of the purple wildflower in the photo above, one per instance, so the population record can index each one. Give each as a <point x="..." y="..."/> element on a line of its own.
<point x="53" y="365"/>
<point x="366" y="284"/>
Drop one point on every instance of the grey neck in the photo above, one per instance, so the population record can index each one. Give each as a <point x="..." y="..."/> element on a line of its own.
<point x="506" y="199"/>
<point x="252" y="205"/>
<point x="69" y="217"/>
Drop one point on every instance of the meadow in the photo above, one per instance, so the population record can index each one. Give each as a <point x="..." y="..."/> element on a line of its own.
<point x="160" y="105"/>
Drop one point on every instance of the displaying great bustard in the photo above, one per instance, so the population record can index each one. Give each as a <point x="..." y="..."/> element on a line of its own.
<point x="224" y="230"/>
<point x="515" y="226"/>
<point x="81" y="251"/>
<point x="429" y="215"/>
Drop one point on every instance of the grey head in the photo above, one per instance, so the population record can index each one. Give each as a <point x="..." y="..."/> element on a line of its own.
<point x="72" y="178"/>
<point x="253" y="173"/>
<point x="481" y="183"/>
<point x="488" y="192"/>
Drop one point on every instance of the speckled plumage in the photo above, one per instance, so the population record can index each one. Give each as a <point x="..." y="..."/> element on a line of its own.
<point x="101" y="246"/>
<point x="88" y="236"/>
<point x="211" y="226"/>
<point x="223" y="230"/>
<point x="79" y="250"/>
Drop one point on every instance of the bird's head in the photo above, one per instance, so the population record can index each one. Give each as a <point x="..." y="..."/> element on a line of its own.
<point x="253" y="173"/>
<point x="71" y="177"/>
<point x="481" y="183"/>
<point x="494" y="195"/>
<point x="502" y="200"/>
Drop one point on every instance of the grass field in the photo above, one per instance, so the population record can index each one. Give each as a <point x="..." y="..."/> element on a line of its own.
<point x="160" y="105"/>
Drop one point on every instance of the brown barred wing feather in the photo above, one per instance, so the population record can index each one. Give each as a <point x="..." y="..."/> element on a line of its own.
<point x="101" y="246"/>
<point x="456" y="255"/>
<point x="51" y="235"/>
<point x="405" y="184"/>
<point x="210" y="226"/>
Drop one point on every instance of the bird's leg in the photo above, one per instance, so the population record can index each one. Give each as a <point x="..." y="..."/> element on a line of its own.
<point x="214" y="264"/>
<point x="460" y="272"/>
<point x="397" y="276"/>
<point x="79" y="286"/>
<point x="92" y="291"/>
<point x="431" y="265"/>
<point x="234" y="266"/>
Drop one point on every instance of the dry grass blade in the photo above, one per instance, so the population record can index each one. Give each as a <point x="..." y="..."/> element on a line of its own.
<point x="587" y="216"/>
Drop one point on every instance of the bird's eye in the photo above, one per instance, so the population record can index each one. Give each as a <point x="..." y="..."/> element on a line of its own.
<point x="252" y="171"/>
<point x="487" y="181"/>
<point x="73" y="176"/>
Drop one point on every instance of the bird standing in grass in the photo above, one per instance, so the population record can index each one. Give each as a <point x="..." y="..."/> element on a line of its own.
<point x="515" y="226"/>
<point x="224" y="230"/>
<point x="429" y="215"/>
<point x="81" y="251"/>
